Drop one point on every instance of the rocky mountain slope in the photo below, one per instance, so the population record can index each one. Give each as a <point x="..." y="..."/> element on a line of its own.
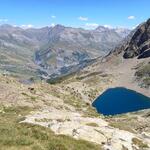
<point x="140" y="43"/>
<point x="137" y="46"/>
<point x="17" y="48"/>
<point x="52" y="50"/>
<point x="71" y="46"/>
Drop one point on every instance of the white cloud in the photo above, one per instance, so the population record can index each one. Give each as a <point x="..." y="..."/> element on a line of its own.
<point x="83" y="18"/>
<point x="52" y="24"/>
<point x="131" y="17"/>
<point x="14" y="25"/>
<point x="91" y="25"/>
<point x="53" y="16"/>
<point x="26" y="26"/>
<point x="108" y="26"/>
<point x="3" y="20"/>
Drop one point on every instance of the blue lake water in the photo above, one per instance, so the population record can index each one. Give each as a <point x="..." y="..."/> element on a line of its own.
<point x="120" y="100"/>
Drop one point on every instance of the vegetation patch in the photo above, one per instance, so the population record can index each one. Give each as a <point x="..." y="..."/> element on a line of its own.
<point x="123" y="123"/>
<point x="33" y="98"/>
<point x="43" y="120"/>
<point x="89" y="75"/>
<point x="139" y="143"/>
<point x="60" y="79"/>
<point x="143" y="71"/>
<point x="23" y="136"/>
<point x="143" y="74"/>
<point x="92" y="124"/>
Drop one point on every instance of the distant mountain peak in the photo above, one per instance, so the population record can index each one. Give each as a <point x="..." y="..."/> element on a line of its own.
<point x="59" y="26"/>
<point x="4" y="26"/>
<point x="101" y="28"/>
<point x="122" y="32"/>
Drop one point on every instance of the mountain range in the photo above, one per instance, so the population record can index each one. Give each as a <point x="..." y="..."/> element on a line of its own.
<point x="52" y="51"/>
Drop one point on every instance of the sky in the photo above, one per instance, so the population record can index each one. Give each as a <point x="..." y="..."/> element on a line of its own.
<point x="76" y="13"/>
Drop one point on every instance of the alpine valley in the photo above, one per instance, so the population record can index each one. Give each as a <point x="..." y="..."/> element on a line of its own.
<point x="50" y="78"/>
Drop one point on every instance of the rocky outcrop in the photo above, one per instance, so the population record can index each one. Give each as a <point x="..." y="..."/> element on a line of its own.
<point x="94" y="130"/>
<point x="136" y="46"/>
<point x="139" y="44"/>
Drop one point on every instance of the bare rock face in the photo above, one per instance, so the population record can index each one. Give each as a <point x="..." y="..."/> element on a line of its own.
<point x="137" y="47"/>
<point x="139" y="44"/>
<point x="94" y="130"/>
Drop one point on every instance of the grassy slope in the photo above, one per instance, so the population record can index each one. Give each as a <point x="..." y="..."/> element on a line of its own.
<point x="16" y="136"/>
<point x="143" y="73"/>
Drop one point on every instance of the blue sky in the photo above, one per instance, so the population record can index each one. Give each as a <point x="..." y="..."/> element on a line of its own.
<point x="75" y="13"/>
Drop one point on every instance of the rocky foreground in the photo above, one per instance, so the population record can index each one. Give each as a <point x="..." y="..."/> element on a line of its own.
<point x="95" y="130"/>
